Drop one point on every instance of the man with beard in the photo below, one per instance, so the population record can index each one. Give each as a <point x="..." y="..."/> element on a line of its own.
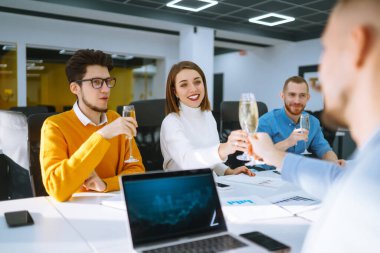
<point x="84" y="149"/>
<point x="349" y="73"/>
<point x="283" y="125"/>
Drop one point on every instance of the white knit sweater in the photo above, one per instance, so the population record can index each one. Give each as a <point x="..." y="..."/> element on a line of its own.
<point x="190" y="140"/>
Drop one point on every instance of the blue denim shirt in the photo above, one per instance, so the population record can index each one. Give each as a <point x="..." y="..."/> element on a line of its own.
<point x="279" y="127"/>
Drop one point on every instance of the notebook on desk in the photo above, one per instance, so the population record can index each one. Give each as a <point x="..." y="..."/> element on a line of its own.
<point x="177" y="210"/>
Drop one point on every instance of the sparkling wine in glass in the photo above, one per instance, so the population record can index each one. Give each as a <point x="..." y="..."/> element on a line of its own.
<point x="249" y="117"/>
<point x="305" y="124"/>
<point x="244" y="156"/>
<point x="129" y="111"/>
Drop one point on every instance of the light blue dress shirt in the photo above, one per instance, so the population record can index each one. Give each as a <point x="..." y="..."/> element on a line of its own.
<point x="313" y="175"/>
<point x="279" y="127"/>
<point x="349" y="220"/>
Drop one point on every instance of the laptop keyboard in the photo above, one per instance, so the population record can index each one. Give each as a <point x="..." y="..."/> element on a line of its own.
<point x="210" y="245"/>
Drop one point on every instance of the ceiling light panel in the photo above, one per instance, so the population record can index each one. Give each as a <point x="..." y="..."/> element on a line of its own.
<point x="276" y="19"/>
<point x="191" y="5"/>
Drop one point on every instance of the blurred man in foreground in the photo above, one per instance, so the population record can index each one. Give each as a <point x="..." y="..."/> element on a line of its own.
<point x="350" y="75"/>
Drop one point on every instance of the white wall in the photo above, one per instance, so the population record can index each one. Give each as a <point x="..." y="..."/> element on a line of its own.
<point x="197" y="45"/>
<point x="263" y="71"/>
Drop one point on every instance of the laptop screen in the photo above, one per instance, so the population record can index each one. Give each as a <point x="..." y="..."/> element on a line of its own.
<point x="169" y="205"/>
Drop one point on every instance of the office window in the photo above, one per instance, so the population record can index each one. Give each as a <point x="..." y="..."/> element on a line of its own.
<point x="8" y="75"/>
<point x="47" y="83"/>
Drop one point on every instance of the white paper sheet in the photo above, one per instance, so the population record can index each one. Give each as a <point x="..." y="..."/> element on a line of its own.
<point x="270" y="182"/>
<point x="250" y="208"/>
<point x="295" y="202"/>
<point x="312" y="214"/>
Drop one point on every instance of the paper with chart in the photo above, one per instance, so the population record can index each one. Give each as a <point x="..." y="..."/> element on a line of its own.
<point x="295" y="202"/>
<point x="244" y="209"/>
<point x="270" y="182"/>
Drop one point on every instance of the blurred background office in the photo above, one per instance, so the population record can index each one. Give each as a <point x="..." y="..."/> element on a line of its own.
<point x="146" y="37"/>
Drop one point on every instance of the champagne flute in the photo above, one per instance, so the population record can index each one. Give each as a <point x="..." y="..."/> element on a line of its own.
<point x="129" y="111"/>
<point x="305" y="124"/>
<point x="244" y="156"/>
<point x="249" y="117"/>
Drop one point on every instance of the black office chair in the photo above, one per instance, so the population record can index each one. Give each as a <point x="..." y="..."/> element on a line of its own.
<point x="328" y="133"/>
<point x="15" y="180"/>
<point x="149" y="114"/>
<point x="67" y="108"/>
<point x="3" y="177"/>
<point x="50" y="108"/>
<point x="35" y="122"/>
<point x="28" y="110"/>
<point x="14" y="163"/>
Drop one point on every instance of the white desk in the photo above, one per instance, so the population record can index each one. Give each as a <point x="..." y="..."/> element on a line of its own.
<point x="50" y="233"/>
<point x="83" y="225"/>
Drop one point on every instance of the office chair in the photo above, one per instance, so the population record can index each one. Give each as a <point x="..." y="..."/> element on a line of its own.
<point x="50" y="108"/>
<point x="15" y="177"/>
<point x="149" y="114"/>
<point x="17" y="180"/>
<point x="35" y="122"/>
<point x="328" y="133"/>
<point x="3" y="177"/>
<point x="28" y="110"/>
<point x="67" y="108"/>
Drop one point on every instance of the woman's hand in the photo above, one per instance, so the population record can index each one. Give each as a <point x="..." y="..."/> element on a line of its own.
<point x="237" y="141"/>
<point x="239" y="170"/>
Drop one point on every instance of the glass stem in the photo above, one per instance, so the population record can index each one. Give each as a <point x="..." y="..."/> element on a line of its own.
<point x="130" y="148"/>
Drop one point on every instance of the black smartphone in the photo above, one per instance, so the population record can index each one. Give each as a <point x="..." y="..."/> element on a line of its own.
<point x="18" y="218"/>
<point x="267" y="242"/>
<point x="223" y="186"/>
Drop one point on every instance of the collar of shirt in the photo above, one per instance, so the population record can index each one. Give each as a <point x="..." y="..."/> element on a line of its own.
<point x="285" y="118"/>
<point x="187" y="110"/>
<point x="83" y="118"/>
<point x="371" y="143"/>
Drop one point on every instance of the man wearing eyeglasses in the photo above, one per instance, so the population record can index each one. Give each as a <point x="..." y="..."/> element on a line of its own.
<point x="84" y="149"/>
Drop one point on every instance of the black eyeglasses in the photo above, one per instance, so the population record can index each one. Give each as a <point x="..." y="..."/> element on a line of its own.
<point x="97" y="82"/>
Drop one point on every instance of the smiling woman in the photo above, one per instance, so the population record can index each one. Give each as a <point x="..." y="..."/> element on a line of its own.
<point x="189" y="88"/>
<point x="189" y="137"/>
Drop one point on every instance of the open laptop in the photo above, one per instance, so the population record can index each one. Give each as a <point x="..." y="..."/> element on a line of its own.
<point x="172" y="211"/>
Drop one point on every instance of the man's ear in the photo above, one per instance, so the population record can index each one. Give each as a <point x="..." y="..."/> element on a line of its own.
<point x="362" y="42"/>
<point x="74" y="88"/>
<point x="282" y="95"/>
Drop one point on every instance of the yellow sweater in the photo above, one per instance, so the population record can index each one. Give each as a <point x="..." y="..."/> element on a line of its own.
<point x="70" y="152"/>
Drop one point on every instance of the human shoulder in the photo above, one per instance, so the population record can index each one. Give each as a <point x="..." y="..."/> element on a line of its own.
<point x="313" y="119"/>
<point x="61" y="118"/>
<point x="170" y="123"/>
<point x="270" y="115"/>
<point x="171" y="118"/>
